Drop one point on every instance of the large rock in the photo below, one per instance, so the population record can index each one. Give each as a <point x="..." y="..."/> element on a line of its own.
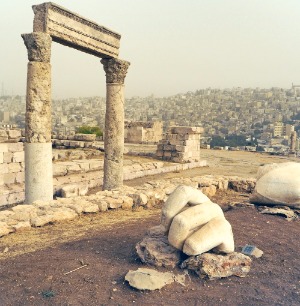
<point x="278" y="184"/>
<point x="214" y="266"/>
<point x="148" y="279"/>
<point x="155" y="249"/>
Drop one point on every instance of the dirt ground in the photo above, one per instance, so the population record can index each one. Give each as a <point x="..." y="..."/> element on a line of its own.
<point x="37" y="266"/>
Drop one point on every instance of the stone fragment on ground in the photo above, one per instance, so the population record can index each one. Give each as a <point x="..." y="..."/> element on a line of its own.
<point x="5" y="229"/>
<point x="284" y="211"/>
<point x="214" y="266"/>
<point x="155" y="250"/>
<point x="149" y="279"/>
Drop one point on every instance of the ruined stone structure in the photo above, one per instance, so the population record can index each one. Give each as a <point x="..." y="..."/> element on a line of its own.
<point x="180" y="144"/>
<point x="54" y="23"/>
<point x="143" y="132"/>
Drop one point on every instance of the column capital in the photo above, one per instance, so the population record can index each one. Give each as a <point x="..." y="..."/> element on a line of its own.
<point x="38" y="46"/>
<point x="115" y="70"/>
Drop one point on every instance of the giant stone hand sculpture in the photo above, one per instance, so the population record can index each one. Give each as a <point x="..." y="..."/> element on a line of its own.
<point x="194" y="224"/>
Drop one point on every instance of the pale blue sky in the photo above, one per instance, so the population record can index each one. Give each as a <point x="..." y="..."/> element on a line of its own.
<point x="173" y="45"/>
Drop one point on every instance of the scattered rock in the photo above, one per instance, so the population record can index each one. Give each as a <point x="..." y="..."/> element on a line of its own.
<point x="5" y="229"/>
<point x="209" y="191"/>
<point x="157" y="231"/>
<point x="158" y="252"/>
<point x="148" y="279"/>
<point x="127" y="203"/>
<point x="282" y="211"/>
<point x="242" y="185"/>
<point x="214" y="266"/>
<point x="114" y="203"/>
<point x="21" y="226"/>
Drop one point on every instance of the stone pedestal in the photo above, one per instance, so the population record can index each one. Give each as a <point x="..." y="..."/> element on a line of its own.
<point x="38" y="147"/>
<point x="115" y="70"/>
<point x="38" y="172"/>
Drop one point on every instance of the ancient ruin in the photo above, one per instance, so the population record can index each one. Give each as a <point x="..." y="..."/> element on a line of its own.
<point x="180" y="144"/>
<point x="143" y="132"/>
<point x="55" y="23"/>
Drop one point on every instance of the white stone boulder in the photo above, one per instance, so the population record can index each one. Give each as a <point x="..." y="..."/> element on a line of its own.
<point x="278" y="184"/>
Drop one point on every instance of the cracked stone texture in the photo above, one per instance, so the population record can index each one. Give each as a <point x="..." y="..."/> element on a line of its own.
<point x="38" y="102"/>
<point x="155" y="249"/>
<point x="38" y="46"/>
<point x="214" y="266"/>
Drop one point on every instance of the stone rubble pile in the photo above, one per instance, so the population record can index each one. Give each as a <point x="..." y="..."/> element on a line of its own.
<point x="180" y="144"/>
<point x="152" y="193"/>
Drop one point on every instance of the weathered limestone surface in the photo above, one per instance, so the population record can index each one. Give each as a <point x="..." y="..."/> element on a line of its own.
<point x="9" y="135"/>
<point x="38" y="175"/>
<point x="38" y="148"/>
<point x="214" y="266"/>
<point x="115" y="70"/>
<point x="149" y="279"/>
<point x="152" y="193"/>
<point x="141" y="132"/>
<point x="38" y="46"/>
<point x="38" y="103"/>
<point x="75" y="31"/>
<point x="180" y="144"/>
<point x="154" y="249"/>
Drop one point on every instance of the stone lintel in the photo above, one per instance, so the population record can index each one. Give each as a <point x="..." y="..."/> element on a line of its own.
<point x="75" y="31"/>
<point x="115" y="70"/>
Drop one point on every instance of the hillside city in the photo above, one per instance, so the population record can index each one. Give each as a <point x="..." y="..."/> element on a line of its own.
<point x="247" y="118"/>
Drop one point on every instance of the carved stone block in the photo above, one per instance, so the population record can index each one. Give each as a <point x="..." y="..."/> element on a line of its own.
<point x="75" y="31"/>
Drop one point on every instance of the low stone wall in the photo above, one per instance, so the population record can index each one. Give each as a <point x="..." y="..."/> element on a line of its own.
<point x="152" y="193"/>
<point x="10" y="135"/>
<point x="74" y="144"/>
<point x="87" y="174"/>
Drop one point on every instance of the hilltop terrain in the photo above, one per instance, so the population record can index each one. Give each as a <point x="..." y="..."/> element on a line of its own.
<point x="33" y="264"/>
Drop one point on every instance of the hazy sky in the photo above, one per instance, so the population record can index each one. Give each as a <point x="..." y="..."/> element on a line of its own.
<point x="173" y="45"/>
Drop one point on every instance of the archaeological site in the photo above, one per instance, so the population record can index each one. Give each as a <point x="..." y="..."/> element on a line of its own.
<point x="143" y="214"/>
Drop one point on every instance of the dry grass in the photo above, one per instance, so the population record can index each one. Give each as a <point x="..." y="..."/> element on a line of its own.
<point x="48" y="236"/>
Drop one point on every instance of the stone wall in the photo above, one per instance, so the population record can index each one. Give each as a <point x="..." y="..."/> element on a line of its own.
<point x="152" y="193"/>
<point x="143" y="132"/>
<point x="10" y="135"/>
<point x="12" y="175"/>
<point x="180" y="144"/>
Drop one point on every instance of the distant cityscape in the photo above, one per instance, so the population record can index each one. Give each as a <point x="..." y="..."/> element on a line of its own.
<point x="267" y="119"/>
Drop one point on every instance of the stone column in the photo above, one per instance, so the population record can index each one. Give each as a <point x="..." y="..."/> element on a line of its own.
<point x="38" y="146"/>
<point x="115" y="70"/>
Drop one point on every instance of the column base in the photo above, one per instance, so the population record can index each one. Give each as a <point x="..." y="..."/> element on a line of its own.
<point x="38" y="172"/>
